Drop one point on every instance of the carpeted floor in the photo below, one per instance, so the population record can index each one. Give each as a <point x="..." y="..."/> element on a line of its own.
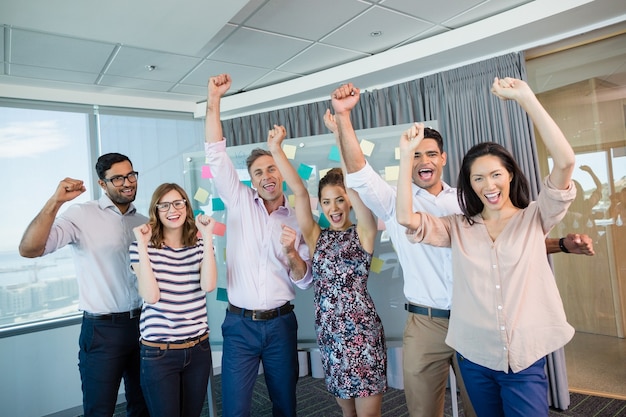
<point x="315" y="401"/>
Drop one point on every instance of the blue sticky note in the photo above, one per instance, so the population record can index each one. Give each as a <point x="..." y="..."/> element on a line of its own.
<point x="334" y="154"/>
<point x="247" y="182"/>
<point x="217" y="204"/>
<point x="222" y="294"/>
<point x="323" y="221"/>
<point x="305" y="171"/>
<point x="197" y="212"/>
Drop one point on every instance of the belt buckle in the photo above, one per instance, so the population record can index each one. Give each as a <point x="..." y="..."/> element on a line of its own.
<point x="254" y="317"/>
<point x="132" y="313"/>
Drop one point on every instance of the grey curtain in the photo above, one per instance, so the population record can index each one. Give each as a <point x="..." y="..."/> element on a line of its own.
<point x="467" y="113"/>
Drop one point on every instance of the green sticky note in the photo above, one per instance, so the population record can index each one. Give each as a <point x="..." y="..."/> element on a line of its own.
<point x="222" y="295"/>
<point x="305" y="171"/>
<point x="334" y="154"/>
<point x="217" y="204"/>
<point x="323" y="221"/>
<point x="247" y="182"/>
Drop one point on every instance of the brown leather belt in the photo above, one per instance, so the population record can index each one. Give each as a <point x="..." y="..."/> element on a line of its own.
<point x="182" y="344"/>
<point x="258" y="315"/>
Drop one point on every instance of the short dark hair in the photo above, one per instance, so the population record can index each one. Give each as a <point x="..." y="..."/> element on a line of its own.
<point x="106" y="161"/>
<point x="470" y="203"/>
<point x="256" y="154"/>
<point x="332" y="177"/>
<point x="430" y="133"/>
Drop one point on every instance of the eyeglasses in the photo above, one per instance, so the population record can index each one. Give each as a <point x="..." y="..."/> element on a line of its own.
<point x="165" y="206"/>
<point x="119" y="180"/>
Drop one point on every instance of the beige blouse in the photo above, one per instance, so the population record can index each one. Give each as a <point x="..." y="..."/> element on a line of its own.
<point x="506" y="308"/>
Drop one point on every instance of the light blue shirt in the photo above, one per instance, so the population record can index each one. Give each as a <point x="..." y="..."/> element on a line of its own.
<point x="427" y="269"/>
<point x="100" y="235"/>
<point x="257" y="268"/>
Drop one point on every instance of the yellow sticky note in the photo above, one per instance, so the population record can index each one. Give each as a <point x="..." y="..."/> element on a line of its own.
<point x="391" y="173"/>
<point x="323" y="172"/>
<point x="397" y="153"/>
<point x="290" y="151"/>
<point x="377" y="265"/>
<point x="292" y="200"/>
<point x="201" y="195"/>
<point x="367" y="147"/>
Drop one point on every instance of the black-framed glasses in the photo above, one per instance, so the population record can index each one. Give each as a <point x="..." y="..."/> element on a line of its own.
<point x="165" y="206"/>
<point x="119" y="180"/>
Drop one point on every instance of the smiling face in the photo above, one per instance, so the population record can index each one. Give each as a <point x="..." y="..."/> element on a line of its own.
<point x="336" y="206"/>
<point x="428" y="166"/>
<point x="266" y="179"/>
<point x="491" y="182"/>
<point x="125" y="194"/>
<point x="173" y="218"/>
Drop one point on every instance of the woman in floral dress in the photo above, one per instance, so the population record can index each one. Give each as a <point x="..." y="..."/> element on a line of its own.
<point x="349" y="331"/>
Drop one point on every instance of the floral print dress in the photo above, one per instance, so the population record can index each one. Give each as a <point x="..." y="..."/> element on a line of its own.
<point x="349" y="331"/>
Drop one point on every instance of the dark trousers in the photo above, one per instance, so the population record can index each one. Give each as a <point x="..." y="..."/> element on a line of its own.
<point x="174" y="381"/>
<point x="274" y="343"/>
<point x="109" y="352"/>
<point x="499" y="394"/>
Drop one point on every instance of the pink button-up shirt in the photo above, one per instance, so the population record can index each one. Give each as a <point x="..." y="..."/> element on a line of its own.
<point x="506" y="307"/>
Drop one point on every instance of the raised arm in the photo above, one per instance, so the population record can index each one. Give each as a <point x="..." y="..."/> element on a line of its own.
<point x="33" y="241"/>
<point x="208" y="267"/>
<point x="309" y="228"/>
<point x="343" y="100"/>
<point x="366" y="222"/>
<point x="409" y="141"/>
<point x="147" y="284"/>
<point x="558" y="147"/>
<point x="596" y="196"/>
<point x="216" y="88"/>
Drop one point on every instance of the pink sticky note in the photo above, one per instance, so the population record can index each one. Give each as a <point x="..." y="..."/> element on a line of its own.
<point x="219" y="229"/>
<point x="206" y="172"/>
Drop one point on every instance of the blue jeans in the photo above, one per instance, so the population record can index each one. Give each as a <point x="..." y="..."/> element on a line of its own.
<point x="498" y="394"/>
<point x="246" y="343"/>
<point x="174" y="381"/>
<point x="109" y="352"/>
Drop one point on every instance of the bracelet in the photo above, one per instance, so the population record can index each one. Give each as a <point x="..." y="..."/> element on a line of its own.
<point x="562" y="245"/>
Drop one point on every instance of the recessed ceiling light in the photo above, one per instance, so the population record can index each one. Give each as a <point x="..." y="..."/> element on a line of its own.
<point x="376" y="33"/>
<point x="150" y="67"/>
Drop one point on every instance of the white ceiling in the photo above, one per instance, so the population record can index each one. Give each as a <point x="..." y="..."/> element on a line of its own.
<point x="278" y="52"/>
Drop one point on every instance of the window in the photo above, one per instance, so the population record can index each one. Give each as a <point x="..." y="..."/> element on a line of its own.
<point x="38" y="148"/>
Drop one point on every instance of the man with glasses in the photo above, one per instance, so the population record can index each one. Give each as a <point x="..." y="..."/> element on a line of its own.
<point x="100" y="232"/>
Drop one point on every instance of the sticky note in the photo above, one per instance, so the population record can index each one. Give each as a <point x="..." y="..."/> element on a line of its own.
<point x="334" y="154"/>
<point x="247" y="182"/>
<point x="323" y="172"/>
<point x="290" y="151"/>
<point x="197" y="212"/>
<point x="206" y="172"/>
<point x="219" y="229"/>
<point x="222" y="294"/>
<point x="323" y="221"/>
<point x="391" y="173"/>
<point x="377" y="265"/>
<point x="305" y="171"/>
<point x="397" y="152"/>
<point x="201" y="195"/>
<point x="217" y="204"/>
<point x="367" y="147"/>
<point x="292" y="200"/>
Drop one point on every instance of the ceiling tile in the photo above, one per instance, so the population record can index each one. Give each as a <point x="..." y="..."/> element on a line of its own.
<point x="197" y="93"/>
<point x="247" y="46"/>
<point x="60" y="52"/>
<point x="272" y="77"/>
<point x="135" y="83"/>
<point x="305" y="18"/>
<point x="52" y="74"/>
<point x="395" y="28"/>
<point x="215" y="41"/>
<point x="319" y="57"/>
<point x="486" y="9"/>
<point x="423" y="9"/>
<point x="132" y="62"/>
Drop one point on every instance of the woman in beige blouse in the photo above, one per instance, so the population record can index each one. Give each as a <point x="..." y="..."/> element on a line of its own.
<point x="507" y="313"/>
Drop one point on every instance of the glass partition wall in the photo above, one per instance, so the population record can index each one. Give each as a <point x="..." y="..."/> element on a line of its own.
<point x="583" y="86"/>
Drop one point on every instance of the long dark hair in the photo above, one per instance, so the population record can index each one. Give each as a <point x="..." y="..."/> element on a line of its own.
<point x="470" y="203"/>
<point x="190" y="231"/>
